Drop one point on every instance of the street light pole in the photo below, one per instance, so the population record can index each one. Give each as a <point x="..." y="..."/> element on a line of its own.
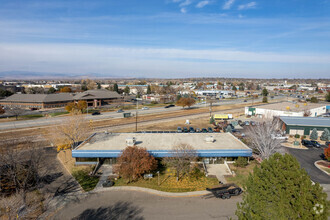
<point x="136" y="115"/>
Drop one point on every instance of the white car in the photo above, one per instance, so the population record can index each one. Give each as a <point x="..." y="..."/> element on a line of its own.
<point x="145" y="108"/>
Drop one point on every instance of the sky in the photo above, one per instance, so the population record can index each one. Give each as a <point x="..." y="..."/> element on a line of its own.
<point x="167" y="38"/>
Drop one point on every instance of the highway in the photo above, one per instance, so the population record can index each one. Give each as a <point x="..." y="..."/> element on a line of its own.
<point x="113" y="115"/>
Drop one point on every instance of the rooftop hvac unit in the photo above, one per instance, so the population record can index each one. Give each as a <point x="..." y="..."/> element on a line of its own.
<point x="130" y="141"/>
<point x="209" y="139"/>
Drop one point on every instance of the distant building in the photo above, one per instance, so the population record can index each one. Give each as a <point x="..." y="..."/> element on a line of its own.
<point x="93" y="98"/>
<point x="304" y="125"/>
<point x="287" y="109"/>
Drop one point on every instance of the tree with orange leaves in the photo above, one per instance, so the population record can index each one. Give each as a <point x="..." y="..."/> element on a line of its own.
<point x="134" y="162"/>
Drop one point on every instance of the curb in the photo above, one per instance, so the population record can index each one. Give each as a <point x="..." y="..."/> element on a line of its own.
<point x="317" y="166"/>
<point x="152" y="191"/>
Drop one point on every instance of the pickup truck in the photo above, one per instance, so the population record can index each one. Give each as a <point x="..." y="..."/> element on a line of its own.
<point x="225" y="191"/>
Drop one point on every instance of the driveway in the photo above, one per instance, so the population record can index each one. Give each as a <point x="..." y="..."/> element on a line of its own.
<point x="306" y="159"/>
<point x="139" y="205"/>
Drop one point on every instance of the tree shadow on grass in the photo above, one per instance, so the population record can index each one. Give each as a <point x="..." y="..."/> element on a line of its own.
<point x="118" y="211"/>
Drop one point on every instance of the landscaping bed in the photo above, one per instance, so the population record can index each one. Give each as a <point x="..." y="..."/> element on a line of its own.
<point x="86" y="181"/>
<point x="241" y="174"/>
<point x="169" y="184"/>
<point x="324" y="165"/>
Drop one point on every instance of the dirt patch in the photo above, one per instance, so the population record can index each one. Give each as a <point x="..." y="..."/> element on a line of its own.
<point x="65" y="157"/>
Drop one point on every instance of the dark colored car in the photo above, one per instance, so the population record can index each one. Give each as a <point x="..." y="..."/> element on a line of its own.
<point x="179" y="130"/>
<point x="96" y="113"/>
<point x="307" y="143"/>
<point x="169" y="106"/>
<point x="245" y="100"/>
<point x="191" y="130"/>
<point x="225" y="191"/>
<point x="210" y="130"/>
<point x="204" y="130"/>
<point x="198" y="130"/>
<point x="316" y="144"/>
<point x="185" y="130"/>
<point x="108" y="183"/>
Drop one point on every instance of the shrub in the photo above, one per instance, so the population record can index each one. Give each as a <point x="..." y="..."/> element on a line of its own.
<point x="264" y="99"/>
<point x="154" y="102"/>
<point x="314" y="134"/>
<point x="314" y="100"/>
<point x="325" y="135"/>
<point x="327" y="153"/>
<point x="196" y="173"/>
<point x="297" y="136"/>
<point x="241" y="162"/>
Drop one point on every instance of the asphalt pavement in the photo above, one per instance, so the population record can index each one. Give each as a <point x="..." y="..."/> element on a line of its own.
<point x="140" y="205"/>
<point x="307" y="159"/>
<point x="111" y="115"/>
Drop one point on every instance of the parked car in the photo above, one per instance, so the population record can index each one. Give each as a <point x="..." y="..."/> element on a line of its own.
<point x="253" y="123"/>
<point x="185" y="130"/>
<point x="108" y="183"/>
<point x="145" y="108"/>
<point x="96" y="113"/>
<point x="169" y="106"/>
<point x="120" y="111"/>
<point x="247" y="123"/>
<point x="225" y="191"/>
<point x="316" y="144"/>
<point x="307" y="143"/>
<point x="191" y="130"/>
<point x="204" y="130"/>
<point x="198" y="130"/>
<point x="179" y="130"/>
<point x="245" y="100"/>
<point x="210" y="130"/>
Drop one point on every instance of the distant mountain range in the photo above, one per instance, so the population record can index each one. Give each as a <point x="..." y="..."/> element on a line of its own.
<point x="26" y="75"/>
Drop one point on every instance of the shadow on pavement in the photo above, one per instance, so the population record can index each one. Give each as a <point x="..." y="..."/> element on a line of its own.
<point x="118" y="211"/>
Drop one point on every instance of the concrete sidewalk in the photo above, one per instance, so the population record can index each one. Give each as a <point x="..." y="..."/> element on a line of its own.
<point x="151" y="191"/>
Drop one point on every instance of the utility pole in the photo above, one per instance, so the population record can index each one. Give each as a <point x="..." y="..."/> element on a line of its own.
<point x="136" y="115"/>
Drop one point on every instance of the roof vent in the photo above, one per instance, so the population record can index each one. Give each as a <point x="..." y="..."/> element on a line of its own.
<point x="209" y="139"/>
<point x="130" y="141"/>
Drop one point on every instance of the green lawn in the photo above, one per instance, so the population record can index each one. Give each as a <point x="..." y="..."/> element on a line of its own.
<point x="241" y="173"/>
<point x="31" y="116"/>
<point x="169" y="184"/>
<point x="87" y="182"/>
<point x="58" y="113"/>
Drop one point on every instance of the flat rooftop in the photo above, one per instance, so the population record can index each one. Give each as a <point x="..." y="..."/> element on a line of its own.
<point x="294" y="107"/>
<point x="306" y="121"/>
<point x="163" y="141"/>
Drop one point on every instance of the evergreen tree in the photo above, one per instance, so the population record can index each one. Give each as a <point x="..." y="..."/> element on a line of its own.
<point x="280" y="189"/>
<point x="234" y="88"/>
<point x="229" y="129"/>
<point x="126" y="90"/>
<point x="265" y="92"/>
<point x="316" y="89"/>
<point x="115" y="88"/>
<point x="325" y="135"/>
<point x="314" y="134"/>
<point x="98" y="85"/>
<point x="212" y="120"/>
<point x="149" y="89"/>
<point x="264" y="99"/>
<point x="327" y="96"/>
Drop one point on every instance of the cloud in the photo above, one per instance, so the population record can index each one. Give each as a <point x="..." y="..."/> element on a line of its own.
<point x="185" y="3"/>
<point x="183" y="10"/>
<point x="228" y="4"/>
<point x="247" y="6"/>
<point x="201" y="4"/>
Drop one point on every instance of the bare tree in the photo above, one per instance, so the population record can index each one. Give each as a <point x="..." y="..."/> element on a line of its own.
<point x="181" y="157"/>
<point x="262" y="137"/>
<point x="70" y="132"/>
<point x="15" y="111"/>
